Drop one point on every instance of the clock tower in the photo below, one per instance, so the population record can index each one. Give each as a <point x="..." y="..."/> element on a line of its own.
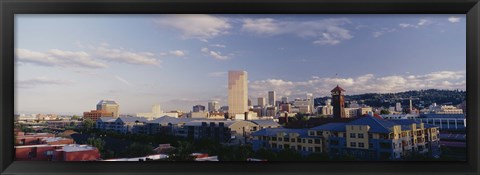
<point x="338" y="102"/>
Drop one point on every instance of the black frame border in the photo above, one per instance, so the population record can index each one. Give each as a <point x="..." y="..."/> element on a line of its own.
<point x="10" y="7"/>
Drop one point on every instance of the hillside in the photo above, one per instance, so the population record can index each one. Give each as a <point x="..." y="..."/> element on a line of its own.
<point x="420" y="98"/>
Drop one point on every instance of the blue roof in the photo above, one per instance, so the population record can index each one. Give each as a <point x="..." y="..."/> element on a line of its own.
<point x="172" y="120"/>
<point x="442" y="116"/>
<point x="330" y="127"/>
<point x="106" y="119"/>
<point x="274" y="131"/>
<point x="265" y="123"/>
<point x="132" y="119"/>
<point x="376" y="125"/>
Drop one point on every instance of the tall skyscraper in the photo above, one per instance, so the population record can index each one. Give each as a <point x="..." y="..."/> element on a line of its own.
<point x="156" y="109"/>
<point x="261" y="101"/>
<point x="109" y="106"/>
<point x="398" y="107"/>
<point x="213" y="106"/>
<point x="271" y="98"/>
<point x="237" y="93"/>
<point x="311" y="102"/>
<point x="338" y="102"/>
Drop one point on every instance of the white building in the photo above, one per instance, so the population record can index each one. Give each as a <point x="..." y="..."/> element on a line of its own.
<point x="213" y="106"/>
<point x="444" y="109"/>
<point x="237" y="93"/>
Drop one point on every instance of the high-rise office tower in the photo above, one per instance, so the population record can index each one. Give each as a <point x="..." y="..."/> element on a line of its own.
<point x="213" y="106"/>
<point x="109" y="106"/>
<point x="156" y="109"/>
<point x="311" y="103"/>
<point x="398" y="107"/>
<point x="237" y="93"/>
<point x="271" y="98"/>
<point x="338" y="102"/>
<point x="261" y="101"/>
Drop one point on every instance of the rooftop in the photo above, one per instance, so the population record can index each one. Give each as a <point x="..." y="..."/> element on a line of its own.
<point x="107" y="101"/>
<point x="265" y="123"/>
<point x="171" y="120"/>
<point x="76" y="148"/>
<point x="337" y="89"/>
<point x="53" y="139"/>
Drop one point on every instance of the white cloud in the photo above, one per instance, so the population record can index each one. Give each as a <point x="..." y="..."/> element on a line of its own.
<point x="124" y="56"/>
<point x="215" y="54"/>
<point x="39" y="81"/>
<point x="454" y="19"/>
<point x="123" y="80"/>
<point x="325" y="32"/>
<point x="218" y="45"/>
<point x="367" y="83"/>
<point x="174" y="53"/>
<point x="57" y="57"/>
<point x="420" y="23"/>
<point x="383" y="31"/>
<point x="197" y="26"/>
<point x="217" y="74"/>
<point x="261" y="26"/>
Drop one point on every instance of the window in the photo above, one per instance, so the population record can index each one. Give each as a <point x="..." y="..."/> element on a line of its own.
<point x="310" y="141"/>
<point x="319" y="133"/>
<point x="299" y="140"/>
<point x="280" y="146"/>
<point x="360" y="136"/>
<point x="299" y="147"/>
<point x="352" y="135"/>
<point x="311" y="133"/>
<point x="279" y="139"/>
<point x="361" y="145"/>
<point x="274" y="145"/>
<point x="274" y="138"/>
<point x="370" y="136"/>
<point x="317" y="141"/>
<point x="303" y="140"/>
<point x="310" y="149"/>
<point x="292" y="140"/>
<point x="285" y="139"/>
<point x="317" y="149"/>
<point x="353" y="144"/>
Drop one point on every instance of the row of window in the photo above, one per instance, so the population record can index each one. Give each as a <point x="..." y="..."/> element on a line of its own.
<point x="293" y="140"/>
<point x="360" y="144"/>
<point x="298" y="147"/>
<point x="359" y="135"/>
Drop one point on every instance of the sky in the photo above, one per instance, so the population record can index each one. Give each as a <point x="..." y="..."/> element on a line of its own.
<point x="65" y="64"/>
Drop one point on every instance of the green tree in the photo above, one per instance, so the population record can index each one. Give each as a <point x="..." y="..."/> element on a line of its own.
<point x="88" y="124"/>
<point x="96" y="142"/>
<point x="75" y="117"/>
<point x="183" y="152"/>
<point x="384" y="112"/>
<point x="138" y="150"/>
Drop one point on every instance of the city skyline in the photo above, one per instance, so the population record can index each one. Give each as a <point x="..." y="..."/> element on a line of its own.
<point x="141" y="60"/>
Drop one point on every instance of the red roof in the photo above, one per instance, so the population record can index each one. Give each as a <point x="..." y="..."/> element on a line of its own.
<point x="337" y="89"/>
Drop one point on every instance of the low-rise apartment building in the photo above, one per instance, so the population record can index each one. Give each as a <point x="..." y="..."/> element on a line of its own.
<point x="366" y="138"/>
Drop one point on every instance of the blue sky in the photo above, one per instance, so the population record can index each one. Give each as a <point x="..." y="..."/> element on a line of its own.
<point x="66" y="63"/>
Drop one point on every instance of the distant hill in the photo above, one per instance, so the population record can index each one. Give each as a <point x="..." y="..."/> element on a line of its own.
<point x="420" y="98"/>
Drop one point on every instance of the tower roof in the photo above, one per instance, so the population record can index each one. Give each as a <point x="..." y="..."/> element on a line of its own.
<point x="337" y="89"/>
